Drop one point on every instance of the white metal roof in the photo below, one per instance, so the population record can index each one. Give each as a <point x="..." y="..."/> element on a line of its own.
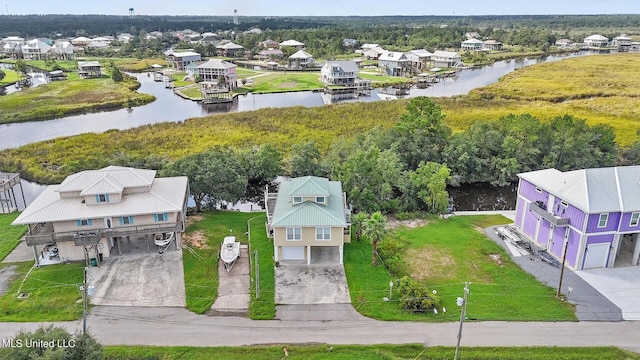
<point x="216" y="64"/>
<point x="291" y="43"/>
<point x="345" y="65"/>
<point x="595" y="190"/>
<point x="165" y="195"/>
<point x="446" y="54"/>
<point x="392" y="56"/>
<point x="301" y="54"/>
<point x="125" y="176"/>
<point x="597" y="37"/>
<point x="184" y="54"/>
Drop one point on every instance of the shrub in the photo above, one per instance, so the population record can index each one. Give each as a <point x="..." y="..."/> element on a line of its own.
<point x="60" y="345"/>
<point x="416" y="297"/>
<point x="390" y="251"/>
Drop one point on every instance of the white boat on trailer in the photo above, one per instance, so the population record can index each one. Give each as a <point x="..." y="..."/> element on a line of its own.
<point x="229" y="252"/>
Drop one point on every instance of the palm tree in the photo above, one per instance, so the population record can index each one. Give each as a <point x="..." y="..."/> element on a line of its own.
<point x="375" y="230"/>
<point x="357" y="224"/>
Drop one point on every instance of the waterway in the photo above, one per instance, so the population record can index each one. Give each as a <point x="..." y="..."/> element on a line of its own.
<point x="169" y="107"/>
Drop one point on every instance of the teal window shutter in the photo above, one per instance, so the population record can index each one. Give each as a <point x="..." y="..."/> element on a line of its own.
<point x="89" y="222"/>
<point x="155" y="217"/>
<point x="166" y="216"/>
<point x="131" y="220"/>
<point x="107" y="197"/>
<point x="121" y="221"/>
<point x="79" y="223"/>
<point x="97" y="198"/>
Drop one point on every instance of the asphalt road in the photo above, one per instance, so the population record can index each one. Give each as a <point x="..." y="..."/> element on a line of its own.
<point x="177" y="326"/>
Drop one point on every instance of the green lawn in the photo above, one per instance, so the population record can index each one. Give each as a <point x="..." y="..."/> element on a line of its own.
<point x="9" y="235"/>
<point x="443" y="255"/>
<point x="69" y="97"/>
<point x="10" y="77"/>
<point x="192" y="92"/>
<point x="125" y="64"/>
<point x="264" y="307"/>
<point x="370" y="352"/>
<point x="282" y="82"/>
<point x="53" y="293"/>
<point x="204" y="235"/>
<point x="244" y="73"/>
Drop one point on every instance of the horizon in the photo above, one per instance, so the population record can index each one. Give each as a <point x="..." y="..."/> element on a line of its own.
<point x="329" y="8"/>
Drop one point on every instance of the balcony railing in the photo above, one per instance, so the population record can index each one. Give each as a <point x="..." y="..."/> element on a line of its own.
<point x="537" y="208"/>
<point x="92" y="236"/>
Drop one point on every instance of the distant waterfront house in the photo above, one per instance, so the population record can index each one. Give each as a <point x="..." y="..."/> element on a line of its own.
<point x="62" y="50"/>
<point x="230" y="50"/>
<point x="349" y="43"/>
<point x="471" y="45"/>
<point x="339" y="73"/>
<point x="446" y="59"/>
<point x="394" y="63"/>
<point x="301" y="59"/>
<point x="292" y="43"/>
<point x="420" y="59"/>
<point x="307" y="213"/>
<point x="35" y="49"/>
<point x="12" y="46"/>
<point x="373" y="53"/>
<point x="269" y="44"/>
<point x="492" y="45"/>
<point x="368" y="46"/>
<point x="90" y="213"/>
<point x="97" y="45"/>
<point x="89" y="69"/>
<point x="565" y="43"/>
<point x="218" y="70"/>
<point x="179" y="60"/>
<point x="596" y="41"/>
<point x="124" y="38"/>
<point x="270" y="54"/>
<point x="81" y="41"/>
<point x="622" y="41"/>
<point x="594" y="213"/>
<point x="209" y="40"/>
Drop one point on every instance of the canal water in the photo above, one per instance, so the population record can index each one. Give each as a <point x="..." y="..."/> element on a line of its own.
<point x="169" y="107"/>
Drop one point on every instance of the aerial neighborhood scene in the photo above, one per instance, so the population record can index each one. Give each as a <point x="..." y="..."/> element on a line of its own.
<point x="350" y="180"/>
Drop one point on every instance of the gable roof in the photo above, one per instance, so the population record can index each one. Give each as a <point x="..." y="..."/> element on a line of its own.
<point x="184" y="54"/>
<point x="309" y="213"/>
<point x="291" y="43"/>
<point x="125" y="176"/>
<point x="596" y="37"/>
<point x="446" y="54"/>
<point x="472" y="41"/>
<point x="230" y="46"/>
<point x="344" y="65"/>
<point x="301" y="54"/>
<point x="392" y="56"/>
<point x="595" y="190"/>
<point x="420" y="53"/>
<point x="105" y="185"/>
<point x="216" y="64"/>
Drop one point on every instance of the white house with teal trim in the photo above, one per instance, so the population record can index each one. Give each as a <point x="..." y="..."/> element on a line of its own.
<point x="305" y="215"/>
<point x="91" y="212"/>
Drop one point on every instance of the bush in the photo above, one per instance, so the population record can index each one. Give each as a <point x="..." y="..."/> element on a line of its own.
<point x="390" y="250"/>
<point x="415" y="296"/>
<point x="59" y="345"/>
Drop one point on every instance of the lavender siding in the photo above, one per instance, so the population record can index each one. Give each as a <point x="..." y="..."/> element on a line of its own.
<point x="572" y="249"/>
<point x="596" y="239"/>
<point x="530" y="222"/>
<point x="528" y="191"/>
<point x="575" y="215"/>
<point x="612" y="223"/>
<point x="543" y="232"/>
<point x="624" y="224"/>
<point x="558" y="241"/>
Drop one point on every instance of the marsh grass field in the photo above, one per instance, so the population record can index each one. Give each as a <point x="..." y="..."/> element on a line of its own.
<point x="599" y="89"/>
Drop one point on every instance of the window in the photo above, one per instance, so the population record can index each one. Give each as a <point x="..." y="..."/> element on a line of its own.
<point x="602" y="221"/>
<point x="102" y="198"/>
<point x="297" y="199"/>
<point x="564" y="203"/>
<point x="323" y="233"/>
<point x="126" y="220"/>
<point x="294" y="234"/>
<point x="86" y="222"/>
<point x="320" y="199"/>
<point x="635" y="217"/>
<point x="161" y="217"/>
<point x="538" y="190"/>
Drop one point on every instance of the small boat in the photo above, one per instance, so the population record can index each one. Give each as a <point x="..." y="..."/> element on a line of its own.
<point x="229" y="252"/>
<point x="164" y="239"/>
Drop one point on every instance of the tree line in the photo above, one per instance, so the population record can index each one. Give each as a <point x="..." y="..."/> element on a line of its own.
<point x="408" y="167"/>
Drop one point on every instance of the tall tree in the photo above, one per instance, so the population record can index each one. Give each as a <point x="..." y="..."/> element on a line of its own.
<point x="357" y="224"/>
<point x="375" y="230"/>
<point x="214" y="176"/>
<point x="306" y="160"/>
<point x="430" y="179"/>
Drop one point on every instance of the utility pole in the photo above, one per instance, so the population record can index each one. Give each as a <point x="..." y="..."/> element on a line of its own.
<point x="84" y="302"/>
<point x="462" y="302"/>
<point x="564" y="258"/>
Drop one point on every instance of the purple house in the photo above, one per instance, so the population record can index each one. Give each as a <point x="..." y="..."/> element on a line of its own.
<point x="595" y="213"/>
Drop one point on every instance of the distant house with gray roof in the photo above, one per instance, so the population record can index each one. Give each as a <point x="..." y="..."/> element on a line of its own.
<point x="301" y="59"/>
<point x="339" y="73"/>
<point x="307" y="213"/>
<point x="92" y="212"/>
<point x="593" y="213"/>
<point x="394" y="63"/>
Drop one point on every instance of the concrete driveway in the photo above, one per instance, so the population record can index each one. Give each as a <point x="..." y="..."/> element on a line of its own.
<point x="140" y="279"/>
<point x="311" y="284"/>
<point x="620" y="285"/>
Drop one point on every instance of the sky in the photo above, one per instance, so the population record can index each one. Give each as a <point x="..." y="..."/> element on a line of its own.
<point x="321" y="8"/>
